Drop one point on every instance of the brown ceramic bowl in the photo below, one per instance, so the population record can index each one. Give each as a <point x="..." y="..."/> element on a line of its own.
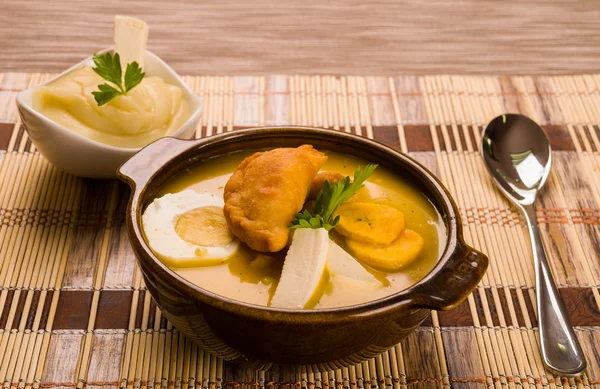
<point x="258" y="335"/>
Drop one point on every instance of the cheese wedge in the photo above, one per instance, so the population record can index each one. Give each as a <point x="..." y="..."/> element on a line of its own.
<point x="302" y="269"/>
<point x="131" y="36"/>
<point x="342" y="264"/>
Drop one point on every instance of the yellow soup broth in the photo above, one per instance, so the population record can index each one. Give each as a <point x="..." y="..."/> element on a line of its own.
<point x="252" y="277"/>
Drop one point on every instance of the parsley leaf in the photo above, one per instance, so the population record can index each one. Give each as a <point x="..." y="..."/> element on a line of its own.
<point x="133" y="76"/>
<point x="108" y="67"/>
<point x="106" y="94"/>
<point x="329" y="198"/>
<point x="306" y="220"/>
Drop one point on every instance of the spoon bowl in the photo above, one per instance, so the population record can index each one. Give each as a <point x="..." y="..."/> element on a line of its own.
<point x="518" y="156"/>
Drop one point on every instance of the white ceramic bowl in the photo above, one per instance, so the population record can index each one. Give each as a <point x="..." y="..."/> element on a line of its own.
<point x="81" y="156"/>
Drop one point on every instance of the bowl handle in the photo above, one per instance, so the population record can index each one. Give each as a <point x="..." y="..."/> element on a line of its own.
<point x="138" y="170"/>
<point x="450" y="286"/>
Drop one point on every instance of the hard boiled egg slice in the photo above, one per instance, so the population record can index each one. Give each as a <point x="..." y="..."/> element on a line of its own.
<point x="188" y="229"/>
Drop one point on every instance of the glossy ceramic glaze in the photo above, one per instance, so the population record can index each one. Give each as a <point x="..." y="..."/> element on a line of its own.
<point x="259" y="335"/>
<point x="81" y="156"/>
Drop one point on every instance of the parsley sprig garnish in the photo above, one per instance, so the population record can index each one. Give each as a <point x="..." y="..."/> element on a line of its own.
<point x="329" y="198"/>
<point x="109" y="68"/>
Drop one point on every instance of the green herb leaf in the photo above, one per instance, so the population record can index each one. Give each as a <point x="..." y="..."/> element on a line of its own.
<point x="106" y="94"/>
<point x="133" y="76"/>
<point x="108" y="67"/>
<point x="314" y="223"/>
<point x="329" y="198"/>
<point x="304" y="223"/>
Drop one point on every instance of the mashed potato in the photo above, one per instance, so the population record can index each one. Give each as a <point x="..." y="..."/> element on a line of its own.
<point x="149" y="111"/>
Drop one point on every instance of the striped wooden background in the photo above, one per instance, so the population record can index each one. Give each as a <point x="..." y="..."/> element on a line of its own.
<point x="313" y="36"/>
<point x="74" y="310"/>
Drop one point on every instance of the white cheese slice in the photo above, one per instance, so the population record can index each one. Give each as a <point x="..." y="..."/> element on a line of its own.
<point x="131" y="36"/>
<point x="302" y="269"/>
<point x="342" y="264"/>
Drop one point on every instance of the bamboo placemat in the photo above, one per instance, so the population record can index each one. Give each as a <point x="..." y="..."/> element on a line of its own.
<point x="74" y="310"/>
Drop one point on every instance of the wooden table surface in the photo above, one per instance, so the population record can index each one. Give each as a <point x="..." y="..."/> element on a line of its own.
<point x="334" y="37"/>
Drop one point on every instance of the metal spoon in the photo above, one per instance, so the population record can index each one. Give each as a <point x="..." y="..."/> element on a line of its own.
<point x="517" y="154"/>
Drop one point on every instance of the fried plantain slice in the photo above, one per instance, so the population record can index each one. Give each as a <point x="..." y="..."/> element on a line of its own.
<point x="392" y="257"/>
<point x="370" y="222"/>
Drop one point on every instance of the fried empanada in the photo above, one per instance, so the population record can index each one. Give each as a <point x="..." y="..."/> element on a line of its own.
<point x="265" y="192"/>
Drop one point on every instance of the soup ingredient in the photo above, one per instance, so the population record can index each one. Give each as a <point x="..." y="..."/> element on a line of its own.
<point x="342" y="264"/>
<point x="317" y="184"/>
<point x="302" y="269"/>
<point x="330" y="197"/>
<point x="392" y="257"/>
<point x="370" y="222"/>
<point x="109" y="68"/>
<point x="131" y="36"/>
<point x="149" y="111"/>
<point x="185" y="229"/>
<point x="265" y="192"/>
<point x="205" y="226"/>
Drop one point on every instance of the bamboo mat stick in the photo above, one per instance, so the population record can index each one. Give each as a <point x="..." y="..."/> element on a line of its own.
<point x="311" y="100"/>
<point x="294" y="101"/>
<point x="203" y="91"/>
<point x="342" y="93"/>
<point x="301" y="101"/>
<point x="211" y="106"/>
<point x="336" y="103"/>
<point x="397" y="115"/>
<point x="364" y="108"/>
<point x="220" y="104"/>
<point x="330" y="115"/>
<point x="321" y="106"/>
<point x="146" y="342"/>
<point x="157" y="346"/>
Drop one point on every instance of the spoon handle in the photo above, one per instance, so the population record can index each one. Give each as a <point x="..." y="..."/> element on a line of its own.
<point x="561" y="351"/>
